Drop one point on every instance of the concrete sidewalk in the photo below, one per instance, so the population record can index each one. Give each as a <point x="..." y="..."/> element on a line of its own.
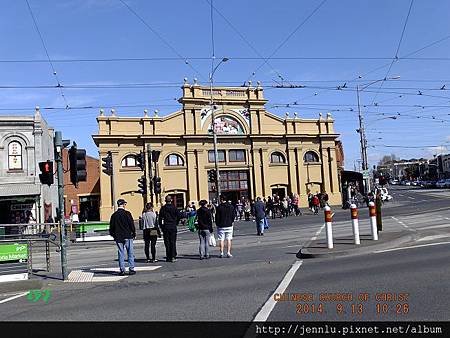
<point x="345" y="245"/>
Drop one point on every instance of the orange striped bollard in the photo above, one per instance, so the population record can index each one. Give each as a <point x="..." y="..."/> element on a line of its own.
<point x="355" y="223"/>
<point x="328" y="222"/>
<point x="373" y="220"/>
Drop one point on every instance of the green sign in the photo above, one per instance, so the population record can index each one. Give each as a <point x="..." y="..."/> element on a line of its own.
<point x="13" y="252"/>
<point x="365" y="174"/>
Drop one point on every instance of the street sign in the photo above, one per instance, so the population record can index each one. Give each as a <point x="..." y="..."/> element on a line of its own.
<point x="13" y="252"/>
<point x="365" y="173"/>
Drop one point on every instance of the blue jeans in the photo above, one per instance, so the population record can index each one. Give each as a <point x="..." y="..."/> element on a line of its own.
<point x="260" y="226"/>
<point x="121" y="246"/>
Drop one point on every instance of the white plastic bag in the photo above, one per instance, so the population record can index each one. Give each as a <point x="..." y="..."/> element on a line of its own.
<point x="212" y="240"/>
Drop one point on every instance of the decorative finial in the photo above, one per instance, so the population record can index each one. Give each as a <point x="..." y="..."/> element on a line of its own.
<point x="329" y="116"/>
<point x="295" y="115"/>
<point x="258" y="83"/>
<point x="113" y="112"/>
<point x="145" y="113"/>
<point x="320" y="115"/>
<point x="287" y="114"/>
<point x="156" y="112"/>
<point x="250" y="83"/>
<point x="195" y="81"/>
<point x="185" y="80"/>
<point x="102" y="112"/>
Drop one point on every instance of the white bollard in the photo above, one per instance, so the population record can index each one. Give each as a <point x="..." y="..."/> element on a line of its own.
<point x="373" y="220"/>
<point x="355" y="223"/>
<point x="328" y="221"/>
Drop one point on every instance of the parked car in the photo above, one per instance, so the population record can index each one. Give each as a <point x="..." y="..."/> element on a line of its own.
<point x="440" y="184"/>
<point x="447" y="183"/>
<point x="395" y="182"/>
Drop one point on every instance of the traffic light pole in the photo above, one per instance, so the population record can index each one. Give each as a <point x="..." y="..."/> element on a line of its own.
<point x="150" y="173"/>
<point x="58" y="143"/>
<point x="113" y="191"/>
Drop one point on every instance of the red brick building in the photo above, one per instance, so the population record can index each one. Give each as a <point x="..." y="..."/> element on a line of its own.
<point x="84" y="200"/>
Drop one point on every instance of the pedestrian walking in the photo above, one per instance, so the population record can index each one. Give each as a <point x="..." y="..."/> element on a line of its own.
<point x="316" y="204"/>
<point x="310" y="201"/>
<point x="122" y="229"/>
<point x="247" y="210"/>
<point x="295" y="204"/>
<point x="224" y="223"/>
<point x="260" y="215"/>
<point x="284" y="207"/>
<point x="169" y="217"/>
<point x="378" y="204"/>
<point x="205" y="229"/>
<point x="151" y="232"/>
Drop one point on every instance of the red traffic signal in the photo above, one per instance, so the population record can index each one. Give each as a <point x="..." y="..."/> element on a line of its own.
<point x="46" y="175"/>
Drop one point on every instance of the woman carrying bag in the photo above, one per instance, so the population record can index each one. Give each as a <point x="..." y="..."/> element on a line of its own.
<point x="151" y="232"/>
<point x="205" y="229"/>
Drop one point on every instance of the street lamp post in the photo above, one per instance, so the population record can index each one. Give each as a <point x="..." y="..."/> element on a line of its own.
<point x="213" y="124"/>
<point x="362" y="131"/>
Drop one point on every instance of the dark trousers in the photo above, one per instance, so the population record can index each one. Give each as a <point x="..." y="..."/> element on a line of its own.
<point x="170" y="242"/>
<point x="147" y="241"/>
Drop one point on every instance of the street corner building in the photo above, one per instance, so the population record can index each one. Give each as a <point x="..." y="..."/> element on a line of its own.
<point x="259" y="153"/>
<point x="24" y="142"/>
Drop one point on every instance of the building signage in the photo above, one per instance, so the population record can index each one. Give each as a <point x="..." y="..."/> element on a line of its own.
<point x="13" y="252"/>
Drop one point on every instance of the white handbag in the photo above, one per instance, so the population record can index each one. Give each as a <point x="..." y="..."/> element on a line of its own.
<point x="212" y="240"/>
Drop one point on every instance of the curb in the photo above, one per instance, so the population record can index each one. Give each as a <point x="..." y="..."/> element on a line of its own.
<point x="304" y="253"/>
<point x="24" y="285"/>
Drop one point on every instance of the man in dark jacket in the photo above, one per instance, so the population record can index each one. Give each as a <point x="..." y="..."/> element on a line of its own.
<point x="205" y="229"/>
<point x="260" y="215"/>
<point x="224" y="223"/>
<point x="121" y="228"/>
<point x="169" y="217"/>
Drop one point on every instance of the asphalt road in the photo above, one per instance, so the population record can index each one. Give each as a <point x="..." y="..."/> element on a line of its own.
<point x="237" y="288"/>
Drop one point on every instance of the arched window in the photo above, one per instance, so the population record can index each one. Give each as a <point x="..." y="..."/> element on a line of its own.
<point x="174" y="160"/>
<point x="129" y="161"/>
<point x="15" y="156"/>
<point x="277" y="157"/>
<point x="311" y="157"/>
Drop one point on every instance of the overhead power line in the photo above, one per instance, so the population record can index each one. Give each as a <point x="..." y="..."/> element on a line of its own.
<point x="287" y="38"/>
<point x="159" y="36"/>
<point x="46" y="53"/>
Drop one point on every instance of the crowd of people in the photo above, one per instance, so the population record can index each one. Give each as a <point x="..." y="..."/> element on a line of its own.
<point x="199" y="220"/>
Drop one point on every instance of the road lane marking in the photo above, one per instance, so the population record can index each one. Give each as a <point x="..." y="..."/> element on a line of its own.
<point x="411" y="247"/>
<point x="434" y="227"/>
<point x="400" y="222"/>
<point x="411" y="198"/>
<point x="14" y="297"/>
<point x="431" y="238"/>
<point x="265" y="311"/>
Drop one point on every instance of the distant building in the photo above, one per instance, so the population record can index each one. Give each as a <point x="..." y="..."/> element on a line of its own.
<point x="24" y="142"/>
<point x="84" y="199"/>
<point x="259" y="153"/>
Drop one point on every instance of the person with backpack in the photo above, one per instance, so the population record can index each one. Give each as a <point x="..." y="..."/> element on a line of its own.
<point x="205" y="229"/>
<point x="151" y="232"/>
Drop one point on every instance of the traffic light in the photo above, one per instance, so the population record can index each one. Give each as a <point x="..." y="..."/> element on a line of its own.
<point x="77" y="162"/>
<point x="107" y="164"/>
<point x="142" y="185"/>
<point x="157" y="185"/>
<point x="140" y="160"/>
<point x="212" y="176"/>
<point x="46" y="175"/>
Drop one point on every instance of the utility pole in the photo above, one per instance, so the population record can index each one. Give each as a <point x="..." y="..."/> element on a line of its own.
<point x="213" y="124"/>
<point x="363" y="140"/>
<point x="59" y="146"/>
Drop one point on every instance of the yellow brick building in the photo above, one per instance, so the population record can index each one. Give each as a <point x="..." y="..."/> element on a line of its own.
<point x="260" y="154"/>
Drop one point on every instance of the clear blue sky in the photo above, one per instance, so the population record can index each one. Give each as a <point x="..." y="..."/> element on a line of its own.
<point x="315" y="43"/>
